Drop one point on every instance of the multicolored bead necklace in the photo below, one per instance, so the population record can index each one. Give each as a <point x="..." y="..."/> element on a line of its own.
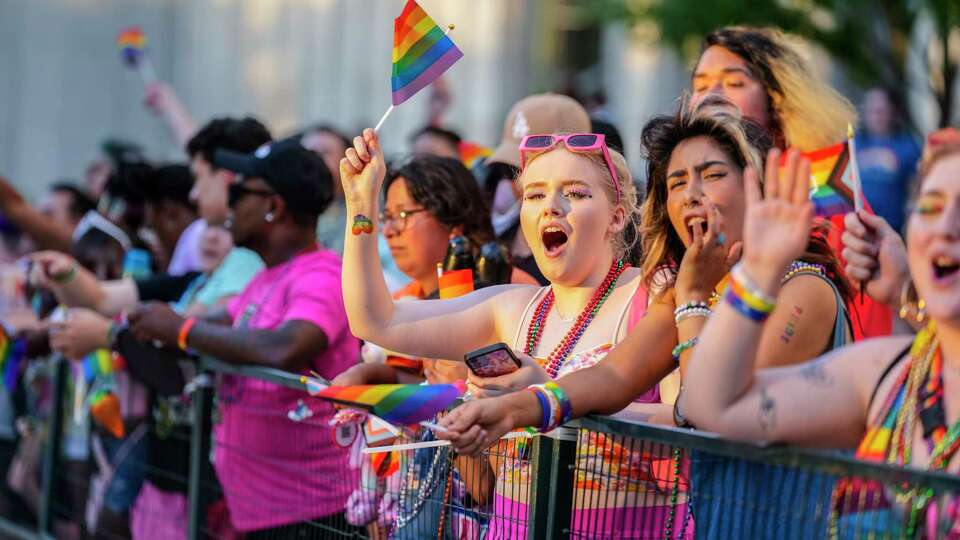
<point x="559" y="354"/>
<point x="917" y="393"/>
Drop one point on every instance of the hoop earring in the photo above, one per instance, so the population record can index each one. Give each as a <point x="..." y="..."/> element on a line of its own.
<point x="918" y="309"/>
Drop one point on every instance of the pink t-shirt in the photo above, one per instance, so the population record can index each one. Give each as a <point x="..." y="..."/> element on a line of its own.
<point x="275" y="471"/>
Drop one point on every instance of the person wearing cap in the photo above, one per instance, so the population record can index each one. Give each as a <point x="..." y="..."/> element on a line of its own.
<point x="539" y="113"/>
<point x="291" y="316"/>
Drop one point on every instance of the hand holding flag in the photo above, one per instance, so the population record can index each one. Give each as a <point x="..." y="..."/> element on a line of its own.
<point x="422" y="51"/>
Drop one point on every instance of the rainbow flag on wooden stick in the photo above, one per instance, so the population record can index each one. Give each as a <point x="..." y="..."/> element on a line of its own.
<point x="422" y="51"/>
<point x="833" y="180"/>
<point x="133" y="48"/>
<point x="401" y="404"/>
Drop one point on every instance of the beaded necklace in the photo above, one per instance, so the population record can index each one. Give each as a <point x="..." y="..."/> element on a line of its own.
<point x="559" y="355"/>
<point x="917" y="393"/>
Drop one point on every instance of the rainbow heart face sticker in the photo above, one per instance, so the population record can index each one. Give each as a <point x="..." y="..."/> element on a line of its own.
<point x="362" y="224"/>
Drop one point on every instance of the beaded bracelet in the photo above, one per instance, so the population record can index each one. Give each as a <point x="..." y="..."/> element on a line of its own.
<point x="683" y="346"/>
<point x="691" y="312"/>
<point x="750" y="292"/>
<point x="691" y="305"/>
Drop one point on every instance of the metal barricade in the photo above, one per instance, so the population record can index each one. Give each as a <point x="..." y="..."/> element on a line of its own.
<point x="599" y="477"/>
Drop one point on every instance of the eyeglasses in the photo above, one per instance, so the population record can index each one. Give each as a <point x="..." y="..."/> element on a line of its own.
<point x="399" y="220"/>
<point x="235" y="192"/>
<point x="575" y="142"/>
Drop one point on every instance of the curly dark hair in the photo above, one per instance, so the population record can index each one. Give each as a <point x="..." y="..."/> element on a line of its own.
<point x="243" y="135"/>
<point x="449" y="192"/>
<point x="742" y="141"/>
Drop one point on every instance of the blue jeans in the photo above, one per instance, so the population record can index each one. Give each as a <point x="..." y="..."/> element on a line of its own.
<point x="128" y="457"/>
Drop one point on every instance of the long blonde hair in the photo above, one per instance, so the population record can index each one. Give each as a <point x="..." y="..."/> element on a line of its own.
<point x="625" y="240"/>
<point x="806" y="111"/>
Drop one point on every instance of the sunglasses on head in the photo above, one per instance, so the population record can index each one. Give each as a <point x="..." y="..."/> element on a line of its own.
<point x="575" y="142"/>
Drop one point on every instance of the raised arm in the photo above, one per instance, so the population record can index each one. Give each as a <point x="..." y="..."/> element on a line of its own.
<point x="162" y="99"/>
<point x="431" y="329"/>
<point x="820" y="403"/>
<point x="45" y="233"/>
<point x="75" y="286"/>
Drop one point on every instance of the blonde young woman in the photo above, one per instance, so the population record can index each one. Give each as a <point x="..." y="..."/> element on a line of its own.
<point x="578" y="199"/>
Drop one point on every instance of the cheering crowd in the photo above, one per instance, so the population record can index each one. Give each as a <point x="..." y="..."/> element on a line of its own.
<point x="708" y="297"/>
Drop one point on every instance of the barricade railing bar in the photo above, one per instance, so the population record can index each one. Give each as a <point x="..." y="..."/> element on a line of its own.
<point x="597" y="477"/>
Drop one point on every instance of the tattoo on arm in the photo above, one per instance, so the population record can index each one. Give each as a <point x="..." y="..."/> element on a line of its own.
<point x="362" y="224"/>
<point x="768" y="411"/>
<point x="814" y="373"/>
<point x="790" y="329"/>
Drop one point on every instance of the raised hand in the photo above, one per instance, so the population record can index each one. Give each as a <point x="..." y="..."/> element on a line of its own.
<point x="875" y="255"/>
<point x="706" y="259"/>
<point x="529" y="373"/>
<point x="476" y="425"/>
<point x="51" y="267"/>
<point x="777" y="224"/>
<point x="362" y="171"/>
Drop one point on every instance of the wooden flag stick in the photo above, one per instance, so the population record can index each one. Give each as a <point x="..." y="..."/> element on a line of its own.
<point x="857" y="186"/>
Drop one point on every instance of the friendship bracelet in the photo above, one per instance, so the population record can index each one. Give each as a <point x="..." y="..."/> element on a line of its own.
<point x="566" y="408"/>
<point x="185" y="332"/>
<point x="749" y="291"/>
<point x="690" y="313"/>
<point x="66" y="276"/>
<point x="738" y="304"/>
<point x="683" y="346"/>
<point x="545" y="412"/>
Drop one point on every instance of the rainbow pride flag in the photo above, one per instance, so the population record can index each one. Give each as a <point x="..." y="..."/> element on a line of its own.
<point x="101" y="362"/>
<point x="12" y="353"/>
<point x="401" y="404"/>
<point x="132" y="44"/>
<point x="422" y="51"/>
<point x="471" y="153"/>
<point x="832" y="180"/>
<point x="455" y="283"/>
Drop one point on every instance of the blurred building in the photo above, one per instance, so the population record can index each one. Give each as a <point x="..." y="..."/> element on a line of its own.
<point x="292" y="63"/>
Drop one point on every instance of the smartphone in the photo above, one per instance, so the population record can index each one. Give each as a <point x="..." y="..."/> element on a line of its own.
<point x="492" y="361"/>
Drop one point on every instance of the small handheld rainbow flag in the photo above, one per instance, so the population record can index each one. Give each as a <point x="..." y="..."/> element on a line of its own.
<point x="133" y="47"/>
<point x="101" y="362"/>
<point x="401" y="404"/>
<point x="12" y="353"/>
<point x="834" y="188"/>
<point x="422" y="51"/>
<point x="454" y="283"/>
<point x="471" y="153"/>
<point x="105" y="409"/>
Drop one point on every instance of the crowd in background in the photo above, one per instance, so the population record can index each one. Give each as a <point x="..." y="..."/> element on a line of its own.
<point x="704" y="296"/>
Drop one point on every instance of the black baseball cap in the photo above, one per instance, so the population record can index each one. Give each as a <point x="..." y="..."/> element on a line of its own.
<point x="298" y="175"/>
